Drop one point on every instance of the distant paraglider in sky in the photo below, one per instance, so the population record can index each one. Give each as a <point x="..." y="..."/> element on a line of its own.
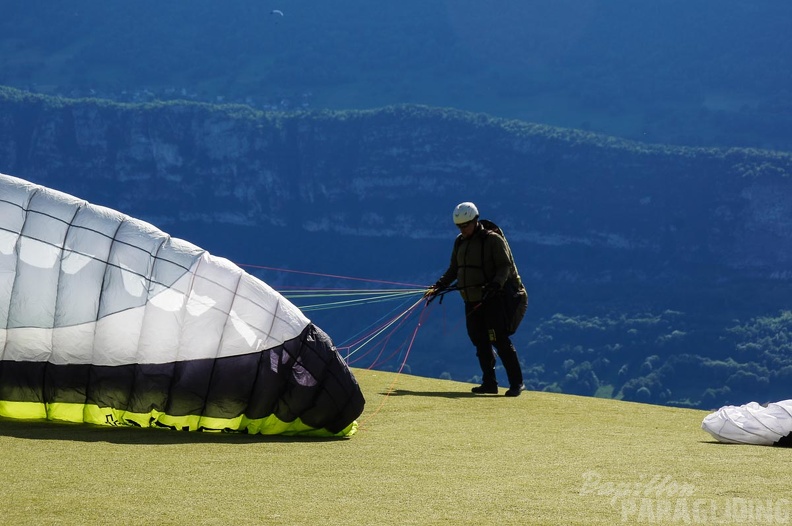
<point x="105" y="319"/>
<point x="276" y="12"/>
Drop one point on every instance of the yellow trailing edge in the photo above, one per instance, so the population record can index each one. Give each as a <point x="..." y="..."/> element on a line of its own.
<point x="107" y="416"/>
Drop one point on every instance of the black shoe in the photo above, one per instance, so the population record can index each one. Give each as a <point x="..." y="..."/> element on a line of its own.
<point x="515" y="390"/>
<point x="485" y="389"/>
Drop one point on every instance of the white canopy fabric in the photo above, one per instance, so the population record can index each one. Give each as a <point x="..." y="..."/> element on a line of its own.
<point x="86" y="284"/>
<point x="752" y="423"/>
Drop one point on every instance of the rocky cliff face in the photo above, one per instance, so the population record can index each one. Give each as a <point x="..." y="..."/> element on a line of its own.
<point x="396" y="173"/>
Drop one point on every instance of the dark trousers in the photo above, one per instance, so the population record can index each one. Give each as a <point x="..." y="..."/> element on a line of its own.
<point x="486" y="327"/>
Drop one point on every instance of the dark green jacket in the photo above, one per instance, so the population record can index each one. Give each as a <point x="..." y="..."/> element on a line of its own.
<point x="484" y="257"/>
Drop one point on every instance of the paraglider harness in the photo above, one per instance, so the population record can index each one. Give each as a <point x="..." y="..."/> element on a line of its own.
<point x="513" y="296"/>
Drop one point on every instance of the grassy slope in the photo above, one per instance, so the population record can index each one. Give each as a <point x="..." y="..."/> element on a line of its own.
<point x="427" y="454"/>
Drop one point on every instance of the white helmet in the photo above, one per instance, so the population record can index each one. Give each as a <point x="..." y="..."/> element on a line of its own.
<point x="465" y="212"/>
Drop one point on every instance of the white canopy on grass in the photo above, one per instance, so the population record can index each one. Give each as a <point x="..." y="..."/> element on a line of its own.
<point x="752" y="423"/>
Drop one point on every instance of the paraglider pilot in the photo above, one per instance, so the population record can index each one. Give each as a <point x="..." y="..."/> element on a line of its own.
<point x="495" y="300"/>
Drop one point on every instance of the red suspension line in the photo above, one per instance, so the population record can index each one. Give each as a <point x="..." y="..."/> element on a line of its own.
<point x="331" y="275"/>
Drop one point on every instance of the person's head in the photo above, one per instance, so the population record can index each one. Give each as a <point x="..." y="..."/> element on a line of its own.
<point x="466" y="218"/>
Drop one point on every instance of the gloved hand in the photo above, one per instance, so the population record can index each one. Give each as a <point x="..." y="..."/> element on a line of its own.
<point x="489" y="289"/>
<point x="432" y="292"/>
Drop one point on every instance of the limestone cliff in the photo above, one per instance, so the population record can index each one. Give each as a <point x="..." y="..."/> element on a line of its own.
<point x="394" y="172"/>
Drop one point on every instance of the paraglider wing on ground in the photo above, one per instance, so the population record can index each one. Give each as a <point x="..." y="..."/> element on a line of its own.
<point x="752" y="423"/>
<point x="106" y="319"/>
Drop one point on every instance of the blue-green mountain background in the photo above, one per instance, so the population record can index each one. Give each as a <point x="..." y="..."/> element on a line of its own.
<point x="668" y="71"/>
<point x="653" y="228"/>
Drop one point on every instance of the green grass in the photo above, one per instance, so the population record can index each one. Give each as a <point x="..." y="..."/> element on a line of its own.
<point x="427" y="453"/>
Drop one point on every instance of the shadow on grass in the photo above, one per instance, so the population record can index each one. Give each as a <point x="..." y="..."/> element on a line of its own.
<point x="731" y="444"/>
<point x="45" y="430"/>
<point x="435" y="394"/>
